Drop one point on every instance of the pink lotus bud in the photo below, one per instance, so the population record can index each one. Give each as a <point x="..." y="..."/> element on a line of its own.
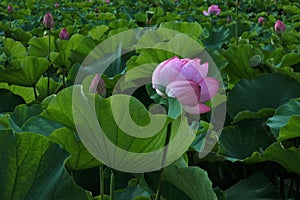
<point x="9" y="8"/>
<point x="98" y="86"/>
<point x="56" y="5"/>
<point x="261" y="20"/>
<point x="48" y="21"/>
<point x="279" y="26"/>
<point x="185" y="79"/>
<point x="64" y="35"/>
<point x="212" y="10"/>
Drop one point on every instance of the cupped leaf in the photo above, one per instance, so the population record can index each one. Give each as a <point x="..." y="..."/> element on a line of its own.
<point x="189" y="28"/>
<point x="261" y="114"/>
<point x="60" y="109"/>
<point x="120" y="132"/>
<point x="256" y="186"/>
<point x="217" y="38"/>
<point x="265" y="91"/>
<point x="14" y="49"/>
<point x="25" y="72"/>
<point x="288" y="158"/>
<point x="283" y="115"/>
<point x="23" y="112"/>
<point x="32" y="167"/>
<point x="241" y="142"/>
<point x="98" y="32"/>
<point x="40" y="125"/>
<point x="238" y="61"/>
<point x="193" y="181"/>
<point x="80" y="158"/>
<point x="291" y="129"/>
<point x="40" y="46"/>
<point x="9" y="101"/>
<point x="25" y="92"/>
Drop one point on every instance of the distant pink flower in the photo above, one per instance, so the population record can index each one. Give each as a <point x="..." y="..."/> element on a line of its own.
<point x="107" y="1"/>
<point x="261" y="20"/>
<point x="48" y="21"/>
<point x="279" y="26"/>
<point x="98" y="86"/>
<point x="185" y="79"/>
<point x="56" y="5"/>
<point x="9" y="8"/>
<point x="212" y="10"/>
<point x="64" y="35"/>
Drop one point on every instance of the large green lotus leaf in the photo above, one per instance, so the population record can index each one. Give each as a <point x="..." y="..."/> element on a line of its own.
<point x="40" y="46"/>
<point x="255" y="187"/>
<point x="64" y="48"/>
<point x="80" y="158"/>
<point x="238" y="61"/>
<point x="240" y="142"/>
<point x="291" y="129"/>
<point x="85" y="46"/>
<point x="265" y="91"/>
<point x="14" y="49"/>
<point x="290" y="72"/>
<point x="282" y="115"/>
<point x="32" y="167"/>
<point x="189" y="28"/>
<point x="120" y="132"/>
<point x="40" y="125"/>
<point x="25" y="92"/>
<point x="217" y="38"/>
<point x="261" y="114"/>
<point x="132" y="191"/>
<point x="42" y="87"/>
<point x="288" y="158"/>
<point x="149" y="59"/>
<point x="289" y="60"/>
<point x="60" y="109"/>
<point x="98" y="32"/>
<point x="23" y="112"/>
<point x="25" y="71"/>
<point x="193" y="181"/>
<point x="9" y="101"/>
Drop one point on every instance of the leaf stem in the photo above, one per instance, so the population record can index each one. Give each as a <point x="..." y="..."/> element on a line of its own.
<point x="237" y="21"/>
<point x="158" y="192"/>
<point x="35" y="93"/>
<point x="49" y="68"/>
<point x="112" y="185"/>
<point x="101" y="174"/>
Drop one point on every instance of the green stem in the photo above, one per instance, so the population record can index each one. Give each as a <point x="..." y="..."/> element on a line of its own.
<point x="64" y="77"/>
<point x="237" y="22"/>
<point x="101" y="174"/>
<point x="112" y="185"/>
<point x="158" y="192"/>
<point x="35" y="93"/>
<point x="49" y="68"/>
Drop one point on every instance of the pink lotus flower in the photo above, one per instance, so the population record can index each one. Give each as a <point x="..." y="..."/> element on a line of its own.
<point x="98" y="86"/>
<point x="261" y="20"/>
<point x="48" y="21"/>
<point x="107" y="1"/>
<point x="185" y="79"/>
<point x="279" y="26"/>
<point x="9" y="8"/>
<point x="56" y="5"/>
<point x="212" y="10"/>
<point x="64" y="35"/>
